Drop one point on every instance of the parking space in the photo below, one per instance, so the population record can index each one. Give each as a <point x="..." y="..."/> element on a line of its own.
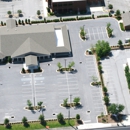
<point x="114" y="78"/>
<point x="96" y="33"/>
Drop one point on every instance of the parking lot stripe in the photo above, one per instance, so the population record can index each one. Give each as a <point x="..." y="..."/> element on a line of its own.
<point x="26" y="84"/>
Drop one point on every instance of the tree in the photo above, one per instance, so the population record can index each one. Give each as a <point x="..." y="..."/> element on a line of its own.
<point x="19" y="11"/>
<point x="94" y="78"/>
<point x="26" y="21"/>
<point x="104" y="89"/>
<point x="77" y="116"/>
<point x="29" y="104"/>
<point x="120" y="43"/>
<point x="2" y="23"/>
<point x="60" y="117"/>
<point x="102" y="48"/>
<point x="9" y="12"/>
<point x="41" y="118"/>
<point x="110" y="6"/>
<point x="65" y="103"/>
<point x="115" y="108"/>
<point x="24" y="120"/>
<point x="9" y="59"/>
<point x="71" y="64"/>
<point x="59" y="65"/>
<point x="38" y="12"/>
<point x="39" y="104"/>
<point x="23" y="70"/>
<point x="100" y="68"/>
<point x="6" y="122"/>
<point x="82" y="32"/>
<point x="106" y="100"/>
<point x="76" y="100"/>
<point x="19" y="21"/>
<point x="108" y="25"/>
<point x="29" y="21"/>
<point x="118" y="13"/>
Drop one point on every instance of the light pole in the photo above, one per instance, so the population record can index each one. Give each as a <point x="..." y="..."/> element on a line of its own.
<point x="69" y="107"/>
<point x="12" y="9"/>
<point x="65" y="63"/>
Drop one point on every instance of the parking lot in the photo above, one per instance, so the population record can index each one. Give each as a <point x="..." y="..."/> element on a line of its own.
<point x="114" y="78"/>
<point x="28" y="7"/>
<point x="96" y="33"/>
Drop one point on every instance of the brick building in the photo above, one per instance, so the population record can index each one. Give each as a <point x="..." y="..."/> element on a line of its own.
<point x="70" y="6"/>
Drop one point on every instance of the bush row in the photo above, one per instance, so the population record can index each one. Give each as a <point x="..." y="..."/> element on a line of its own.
<point x="127" y="74"/>
<point x="101" y="16"/>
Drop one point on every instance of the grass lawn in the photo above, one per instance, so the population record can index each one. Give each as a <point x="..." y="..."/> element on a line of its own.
<point x="37" y="125"/>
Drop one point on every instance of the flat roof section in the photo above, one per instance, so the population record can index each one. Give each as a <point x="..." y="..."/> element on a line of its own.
<point x="59" y="38"/>
<point x="66" y="0"/>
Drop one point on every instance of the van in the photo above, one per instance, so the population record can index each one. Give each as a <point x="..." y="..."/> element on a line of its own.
<point x="127" y="40"/>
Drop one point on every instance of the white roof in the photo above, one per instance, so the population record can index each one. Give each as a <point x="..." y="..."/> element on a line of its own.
<point x="66" y="0"/>
<point x="96" y="9"/>
<point x="59" y="38"/>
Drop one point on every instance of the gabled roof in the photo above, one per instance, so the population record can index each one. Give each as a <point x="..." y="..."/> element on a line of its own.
<point x="29" y="46"/>
<point x="126" y="18"/>
<point x="31" y="60"/>
<point x="39" y="39"/>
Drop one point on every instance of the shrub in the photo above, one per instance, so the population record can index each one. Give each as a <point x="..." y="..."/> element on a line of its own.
<point x="38" y="12"/>
<point x="23" y="70"/>
<point x="2" y="23"/>
<point x="100" y="16"/>
<point x="93" y="16"/>
<point x="82" y="18"/>
<point x="26" y="21"/>
<point x="24" y="120"/>
<point x="19" y="21"/>
<point x="56" y="20"/>
<point x="9" y="12"/>
<point x="110" y="6"/>
<point x="100" y="68"/>
<point x="41" y="118"/>
<point x="29" y="104"/>
<point x="29" y="21"/>
<point x="69" y="19"/>
<point x="76" y="100"/>
<point x="122" y="27"/>
<point x="104" y="89"/>
<point x="60" y="117"/>
<point x="65" y="103"/>
<point x="39" y="104"/>
<point x="118" y="13"/>
<point x="106" y="100"/>
<point x="19" y="11"/>
<point x="6" y="122"/>
<point x="77" y="116"/>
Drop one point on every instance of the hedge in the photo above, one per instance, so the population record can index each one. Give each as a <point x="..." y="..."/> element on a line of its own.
<point x="100" y="16"/>
<point x="35" y="22"/>
<point x="56" y="20"/>
<point x="69" y="19"/>
<point x="82" y="18"/>
<point x="127" y="74"/>
<point x="122" y="27"/>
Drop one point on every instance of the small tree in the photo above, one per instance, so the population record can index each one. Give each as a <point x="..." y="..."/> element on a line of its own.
<point x="19" y="11"/>
<point x="41" y="118"/>
<point x="76" y="100"/>
<point x="60" y="118"/>
<point x="118" y="13"/>
<point x="24" y="120"/>
<point x="93" y="16"/>
<point x="120" y="43"/>
<point x="38" y="12"/>
<point x="106" y="100"/>
<point x="94" y="78"/>
<point x="59" y="65"/>
<point x="115" y="108"/>
<point x="26" y="21"/>
<point x="9" y="12"/>
<point x="110" y="6"/>
<point x="65" y="103"/>
<point x="2" y="23"/>
<point x="102" y="48"/>
<point x="29" y="104"/>
<point x="71" y="64"/>
<point x="6" y="122"/>
<point x="23" y="70"/>
<point x="77" y="116"/>
<point x="39" y="104"/>
<point x="100" y="68"/>
<point x="104" y="89"/>
<point x="19" y="21"/>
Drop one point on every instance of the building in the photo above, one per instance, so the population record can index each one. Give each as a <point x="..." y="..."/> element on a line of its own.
<point x="33" y="43"/>
<point x="70" y="6"/>
<point x="126" y="20"/>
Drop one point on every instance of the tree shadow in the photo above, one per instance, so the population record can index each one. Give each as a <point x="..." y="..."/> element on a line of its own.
<point x="20" y="15"/>
<point x="72" y="126"/>
<point x="62" y="122"/>
<point x="9" y="126"/>
<point x="40" y="17"/>
<point x="26" y="125"/>
<point x="44" y="123"/>
<point x="78" y="107"/>
<point x="62" y="72"/>
<point x="33" y="111"/>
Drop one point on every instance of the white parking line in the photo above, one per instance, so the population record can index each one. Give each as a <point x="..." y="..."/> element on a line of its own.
<point x="26" y="85"/>
<point x="89" y="34"/>
<point x="93" y="34"/>
<point x="102" y="32"/>
<point x="98" y="33"/>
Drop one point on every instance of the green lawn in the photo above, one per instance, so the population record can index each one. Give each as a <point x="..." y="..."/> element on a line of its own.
<point x="36" y="125"/>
